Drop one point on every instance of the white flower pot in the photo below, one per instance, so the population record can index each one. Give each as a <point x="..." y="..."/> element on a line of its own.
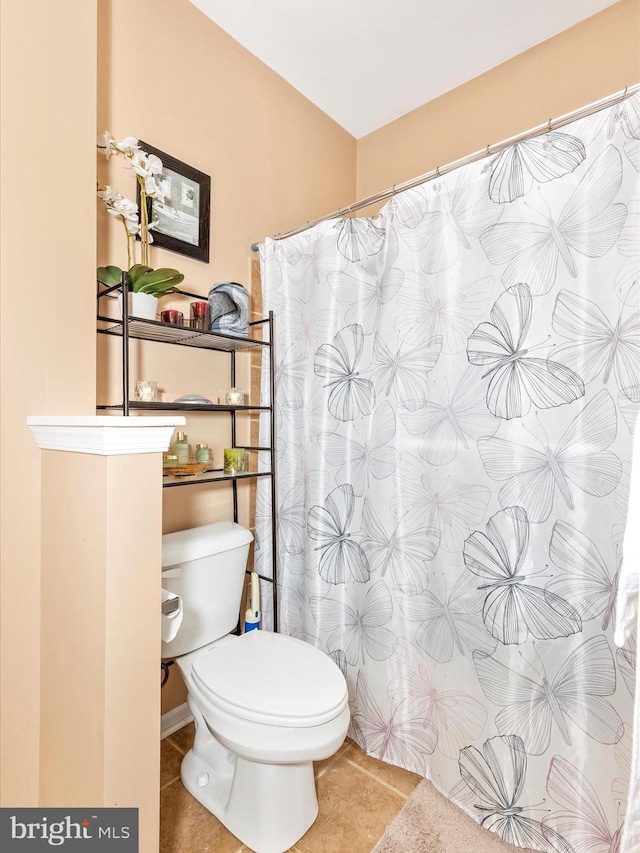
<point x="142" y="305"/>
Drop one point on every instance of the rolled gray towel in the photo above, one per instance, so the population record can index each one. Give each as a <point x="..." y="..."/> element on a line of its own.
<point x="220" y="304"/>
<point x="229" y="303"/>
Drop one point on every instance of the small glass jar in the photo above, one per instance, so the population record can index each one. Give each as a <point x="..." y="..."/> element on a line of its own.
<point x="169" y="460"/>
<point x="203" y="454"/>
<point x="234" y="397"/>
<point x="146" y="391"/>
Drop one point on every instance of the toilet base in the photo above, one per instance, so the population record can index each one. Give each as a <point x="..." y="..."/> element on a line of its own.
<point x="268" y="807"/>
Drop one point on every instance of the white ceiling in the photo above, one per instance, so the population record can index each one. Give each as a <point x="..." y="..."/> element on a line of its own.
<point x="367" y="62"/>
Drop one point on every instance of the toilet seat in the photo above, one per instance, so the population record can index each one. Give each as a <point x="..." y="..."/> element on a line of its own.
<point x="271" y="679"/>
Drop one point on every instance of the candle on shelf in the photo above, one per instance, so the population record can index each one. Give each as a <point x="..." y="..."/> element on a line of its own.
<point x="175" y="318"/>
<point x="234" y="397"/>
<point x="233" y="460"/>
<point x="146" y="391"/>
<point x="200" y="316"/>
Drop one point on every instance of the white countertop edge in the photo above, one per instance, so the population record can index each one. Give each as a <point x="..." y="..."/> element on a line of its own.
<point x="104" y="435"/>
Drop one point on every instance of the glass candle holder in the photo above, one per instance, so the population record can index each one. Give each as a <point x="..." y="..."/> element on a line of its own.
<point x="233" y="460"/>
<point x="200" y="316"/>
<point x="173" y="317"/>
<point x="146" y="391"/>
<point x="234" y="397"/>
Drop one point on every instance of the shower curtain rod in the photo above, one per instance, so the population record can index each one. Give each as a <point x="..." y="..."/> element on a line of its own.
<point x="439" y="171"/>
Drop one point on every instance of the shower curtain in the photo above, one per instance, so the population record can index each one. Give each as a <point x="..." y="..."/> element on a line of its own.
<point x="457" y="379"/>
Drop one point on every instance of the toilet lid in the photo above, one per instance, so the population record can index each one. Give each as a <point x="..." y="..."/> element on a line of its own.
<point x="273" y="679"/>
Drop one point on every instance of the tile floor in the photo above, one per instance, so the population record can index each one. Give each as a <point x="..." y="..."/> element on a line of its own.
<point x="358" y="797"/>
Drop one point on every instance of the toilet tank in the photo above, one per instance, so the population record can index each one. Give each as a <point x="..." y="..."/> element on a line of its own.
<point x="205" y="566"/>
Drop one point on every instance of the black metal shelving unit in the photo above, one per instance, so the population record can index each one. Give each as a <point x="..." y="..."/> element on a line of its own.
<point x="130" y="327"/>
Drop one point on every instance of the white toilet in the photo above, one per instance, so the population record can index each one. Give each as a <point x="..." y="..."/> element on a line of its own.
<point x="265" y="705"/>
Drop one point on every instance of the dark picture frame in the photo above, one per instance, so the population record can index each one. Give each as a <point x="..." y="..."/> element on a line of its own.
<point x="184" y="216"/>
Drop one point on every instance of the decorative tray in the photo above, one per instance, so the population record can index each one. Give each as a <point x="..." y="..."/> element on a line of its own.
<point x="186" y="469"/>
<point x="194" y="399"/>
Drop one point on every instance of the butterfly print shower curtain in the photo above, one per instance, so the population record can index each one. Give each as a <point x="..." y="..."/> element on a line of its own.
<point x="457" y="379"/>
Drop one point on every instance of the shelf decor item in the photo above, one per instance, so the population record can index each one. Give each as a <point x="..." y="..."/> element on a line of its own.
<point x="203" y="454"/>
<point x="175" y="318"/>
<point x="146" y="391"/>
<point x="234" y="397"/>
<point x="200" y="316"/>
<point x="229" y="303"/>
<point x="184" y="469"/>
<point x="180" y="448"/>
<point x="142" y="277"/>
<point x="233" y="460"/>
<point x="180" y="211"/>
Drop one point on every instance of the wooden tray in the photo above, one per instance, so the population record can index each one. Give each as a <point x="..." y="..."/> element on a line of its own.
<point x="187" y="469"/>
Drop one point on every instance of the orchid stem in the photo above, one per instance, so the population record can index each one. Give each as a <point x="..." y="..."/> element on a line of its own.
<point x="144" y="223"/>
<point x="124" y="222"/>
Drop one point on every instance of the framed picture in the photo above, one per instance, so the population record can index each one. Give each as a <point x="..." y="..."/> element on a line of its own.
<point x="183" y="216"/>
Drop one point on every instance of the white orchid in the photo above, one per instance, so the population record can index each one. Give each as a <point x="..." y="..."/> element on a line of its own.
<point x="147" y="167"/>
<point x="128" y="146"/>
<point x="125" y="208"/>
<point x="105" y="144"/>
<point x="109" y="195"/>
<point x="108" y="146"/>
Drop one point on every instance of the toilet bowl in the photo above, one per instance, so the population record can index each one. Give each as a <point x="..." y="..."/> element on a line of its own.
<point x="265" y="705"/>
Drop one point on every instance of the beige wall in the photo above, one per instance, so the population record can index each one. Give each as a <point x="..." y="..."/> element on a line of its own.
<point x="47" y="358"/>
<point x="591" y="60"/>
<point x="274" y="160"/>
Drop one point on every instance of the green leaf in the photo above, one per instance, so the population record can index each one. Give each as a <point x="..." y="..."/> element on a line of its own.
<point x="135" y="272"/>
<point x="158" y="281"/>
<point x="109" y="275"/>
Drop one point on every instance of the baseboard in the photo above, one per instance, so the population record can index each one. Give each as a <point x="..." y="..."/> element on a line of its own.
<point x="174" y="719"/>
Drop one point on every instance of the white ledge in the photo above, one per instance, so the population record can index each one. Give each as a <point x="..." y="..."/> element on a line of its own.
<point x="103" y="435"/>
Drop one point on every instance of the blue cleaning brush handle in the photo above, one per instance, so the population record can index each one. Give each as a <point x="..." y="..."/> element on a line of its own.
<point x="251" y="620"/>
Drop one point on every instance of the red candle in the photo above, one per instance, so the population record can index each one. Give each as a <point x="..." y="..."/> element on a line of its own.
<point x="172" y="316"/>
<point x="200" y="316"/>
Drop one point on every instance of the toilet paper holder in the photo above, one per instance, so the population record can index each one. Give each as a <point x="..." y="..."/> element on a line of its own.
<point x="170" y="605"/>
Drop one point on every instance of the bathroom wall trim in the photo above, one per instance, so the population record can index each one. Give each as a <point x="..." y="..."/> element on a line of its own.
<point x="174" y="719"/>
<point x="103" y="435"/>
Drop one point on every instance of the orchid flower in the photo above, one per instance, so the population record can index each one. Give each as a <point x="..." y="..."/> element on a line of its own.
<point x="108" y="194"/>
<point x="125" y="208"/>
<point x="145" y="165"/>
<point x="105" y="144"/>
<point x="128" y="146"/>
<point x="148" y="169"/>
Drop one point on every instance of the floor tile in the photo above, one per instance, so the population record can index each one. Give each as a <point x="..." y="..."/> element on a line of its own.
<point x="170" y="761"/>
<point x="402" y="780"/>
<point x="320" y="766"/>
<point x="354" y="810"/>
<point x="187" y="827"/>
<point x="183" y="738"/>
